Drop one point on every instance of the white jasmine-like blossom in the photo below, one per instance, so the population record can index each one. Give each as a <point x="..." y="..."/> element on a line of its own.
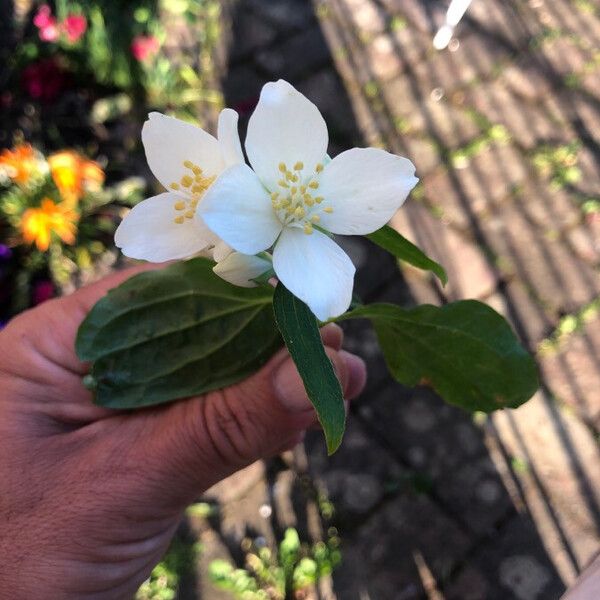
<point x="242" y="269"/>
<point x="186" y="160"/>
<point x="294" y="197"/>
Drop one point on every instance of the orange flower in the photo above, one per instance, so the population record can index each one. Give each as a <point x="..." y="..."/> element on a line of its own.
<point x="73" y="174"/>
<point x="19" y="163"/>
<point x="38" y="224"/>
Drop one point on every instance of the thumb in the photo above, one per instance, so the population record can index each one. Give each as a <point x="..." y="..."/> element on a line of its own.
<point x="195" y="443"/>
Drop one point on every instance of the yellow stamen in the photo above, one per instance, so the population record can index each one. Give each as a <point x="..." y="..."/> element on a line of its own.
<point x="188" y="164"/>
<point x="309" y="200"/>
<point x="315" y="218"/>
<point x="319" y="168"/>
<point x="308" y="228"/>
<point x="299" y="166"/>
<point x="293" y="190"/>
<point x="174" y="186"/>
<point x="299" y="212"/>
<point x="282" y="167"/>
<point x="274" y="196"/>
<point x="328" y="209"/>
<point x="303" y="189"/>
<point x="196" y="170"/>
<point x="189" y="214"/>
<point x="179" y="220"/>
<point x="313" y="185"/>
<point x="319" y="199"/>
<point x="282" y="183"/>
<point x="179" y="205"/>
<point x="186" y="181"/>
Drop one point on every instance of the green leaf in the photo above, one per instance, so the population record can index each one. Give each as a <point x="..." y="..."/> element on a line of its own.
<point x="173" y="333"/>
<point x="466" y="351"/>
<point x="300" y="332"/>
<point x="389" y="239"/>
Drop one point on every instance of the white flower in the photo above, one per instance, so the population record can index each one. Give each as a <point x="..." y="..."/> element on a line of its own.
<point x="186" y="160"/>
<point x="242" y="269"/>
<point x="295" y="196"/>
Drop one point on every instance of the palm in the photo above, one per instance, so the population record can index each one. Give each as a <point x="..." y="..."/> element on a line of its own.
<point x="94" y="496"/>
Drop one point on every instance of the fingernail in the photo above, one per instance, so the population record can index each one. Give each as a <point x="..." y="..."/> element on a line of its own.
<point x="290" y="389"/>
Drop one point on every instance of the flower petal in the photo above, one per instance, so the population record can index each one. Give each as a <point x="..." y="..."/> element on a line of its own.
<point x="221" y="251"/>
<point x="238" y="209"/>
<point x="170" y="142"/>
<point x="364" y="187"/>
<point x="229" y="138"/>
<point x="149" y="232"/>
<point x="316" y="270"/>
<point x="240" y="269"/>
<point x="287" y="128"/>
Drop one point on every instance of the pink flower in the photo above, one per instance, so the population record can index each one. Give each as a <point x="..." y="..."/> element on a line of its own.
<point x="46" y="23"/>
<point x="144" y="47"/>
<point x="74" y="26"/>
<point x="43" y="17"/>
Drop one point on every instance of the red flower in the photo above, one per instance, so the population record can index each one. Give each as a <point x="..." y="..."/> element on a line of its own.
<point x="144" y="47"/>
<point x="42" y="291"/>
<point x="44" y="80"/>
<point x="74" y="26"/>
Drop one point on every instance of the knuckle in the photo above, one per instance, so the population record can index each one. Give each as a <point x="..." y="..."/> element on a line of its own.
<point x="235" y="430"/>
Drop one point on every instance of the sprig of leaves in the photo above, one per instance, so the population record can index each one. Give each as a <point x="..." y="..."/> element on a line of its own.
<point x="183" y="331"/>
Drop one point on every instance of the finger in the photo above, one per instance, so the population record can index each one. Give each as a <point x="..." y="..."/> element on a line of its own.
<point x="332" y="336"/>
<point x="193" y="444"/>
<point x="50" y="329"/>
<point x="356" y="373"/>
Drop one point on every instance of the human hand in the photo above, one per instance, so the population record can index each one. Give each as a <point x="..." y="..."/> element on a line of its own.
<point x="90" y="497"/>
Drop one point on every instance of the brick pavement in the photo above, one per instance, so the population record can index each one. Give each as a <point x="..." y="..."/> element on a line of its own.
<point x="431" y="502"/>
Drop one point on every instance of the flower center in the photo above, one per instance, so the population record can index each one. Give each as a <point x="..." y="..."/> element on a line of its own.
<point x="193" y="184"/>
<point x="296" y="202"/>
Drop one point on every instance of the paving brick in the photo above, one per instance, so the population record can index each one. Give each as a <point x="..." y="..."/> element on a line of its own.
<point x="555" y="274"/>
<point x="572" y="372"/>
<point x="425" y="16"/>
<point x="475" y="59"/>
<point x="325" y="89"/>
<point x="241" y="89"/>
<point x="464" y="196"/>
<point x="528" y="123"/>
<point x="380" y="557"/>
<point x="366" y="15"/>
<point x="357" y="477"/>
<point x="512" y="566"/>
<point x="250" y="31"/>
<point x="551" y="210"/>
<point x="298" y="56"/>
<point x="470" y="274"/>
<point x="557" y="487"/>
<point x="443" y="446"/>
<point x="285" y="15"/>
<point x="524" y="79"/>
<point x="528" y="318"/>
<point x="422" y="151"/>
<point x="501" y="20"/>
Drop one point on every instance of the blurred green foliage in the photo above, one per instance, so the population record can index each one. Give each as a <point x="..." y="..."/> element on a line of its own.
<point x="164" y="581"/>
<point x="294" y="566"/>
